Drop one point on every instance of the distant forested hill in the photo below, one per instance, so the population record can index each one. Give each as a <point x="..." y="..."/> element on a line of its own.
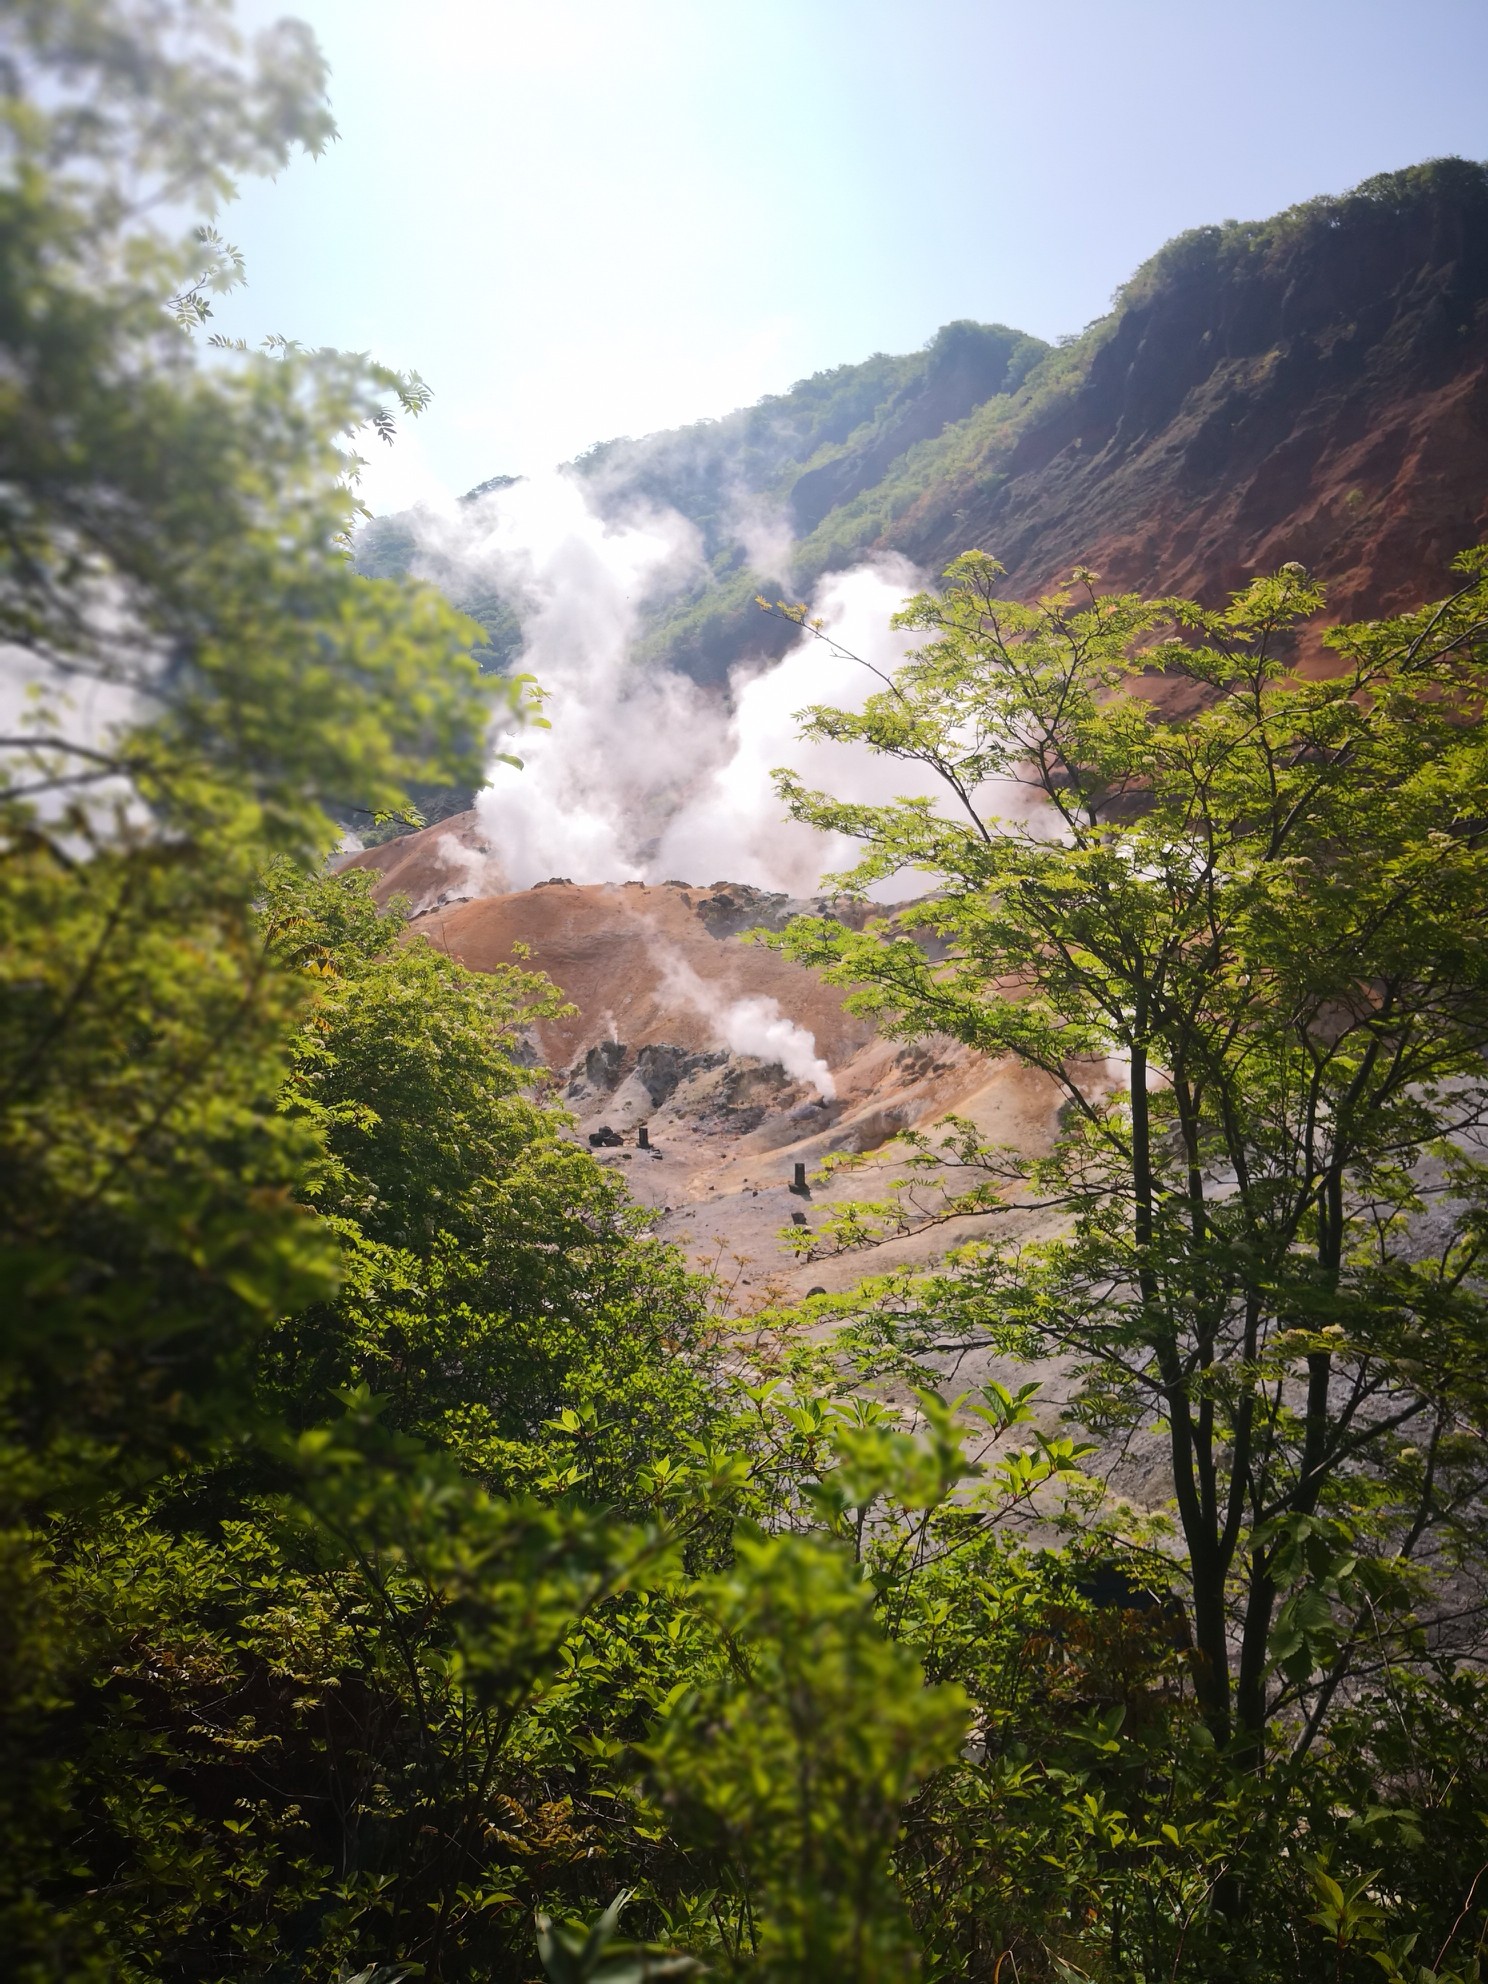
<point x="1310" y="387"/>
<point x="784" y="471"/>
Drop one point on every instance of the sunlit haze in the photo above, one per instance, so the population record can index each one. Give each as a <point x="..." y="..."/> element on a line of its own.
<point x="579" y="218"/>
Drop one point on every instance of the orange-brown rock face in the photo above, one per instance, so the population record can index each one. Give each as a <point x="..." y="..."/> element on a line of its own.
<point x="658" y="977"/>
<point x="1312" y="389"/>
<point x="448" y="862"/>
<point x="618" y="952"/>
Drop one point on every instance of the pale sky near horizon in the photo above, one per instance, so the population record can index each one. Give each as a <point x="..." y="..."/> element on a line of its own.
<point x="581" y="218"/>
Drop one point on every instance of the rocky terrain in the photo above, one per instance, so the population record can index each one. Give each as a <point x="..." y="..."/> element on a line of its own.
<point x="711" y="1138"/>
<point x="655" y="975"/>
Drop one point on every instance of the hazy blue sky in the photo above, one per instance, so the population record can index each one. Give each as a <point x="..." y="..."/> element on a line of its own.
<point x="579" y="218"/>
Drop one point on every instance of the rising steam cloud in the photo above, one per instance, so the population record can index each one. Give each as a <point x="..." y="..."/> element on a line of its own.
<point x="754" y="1026"/>
<point x="644" y="776"/>
<point x="626" y="742"/>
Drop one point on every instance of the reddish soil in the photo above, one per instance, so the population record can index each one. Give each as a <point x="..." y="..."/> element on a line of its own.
<point x="1320" y="395"/>
<point x="608" y="948"/>
<point x="726" y="1130"/>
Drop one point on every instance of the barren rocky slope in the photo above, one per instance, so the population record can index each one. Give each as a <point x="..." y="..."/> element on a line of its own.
<point x="1313" y="388"/>
<point x="711" y="1137"/>
<point x="654" y="974"/>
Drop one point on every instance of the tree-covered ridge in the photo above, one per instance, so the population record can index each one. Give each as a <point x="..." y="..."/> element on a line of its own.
<point x="1300" y="241"/>
<point x="775" y="469"/>
<point x="815" y="463"/>
<point x="808" y="448"/>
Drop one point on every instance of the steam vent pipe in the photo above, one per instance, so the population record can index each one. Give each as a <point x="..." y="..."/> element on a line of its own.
<point x="798" y="1184"/>
<point x="643" y="1138"/>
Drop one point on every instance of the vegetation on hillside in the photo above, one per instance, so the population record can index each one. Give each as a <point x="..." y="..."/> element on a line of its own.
<point x="769" y="471"/>
<point x="404" y="1569"/>
<point x="913" y="454"/>
<point x="1301" y="239"/>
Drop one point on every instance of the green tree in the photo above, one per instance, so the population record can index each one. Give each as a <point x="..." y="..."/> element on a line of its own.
<point x="194" y="678"/>
<point x="493" y="1275"/>
<point x="197" y="679"/>
<point x="794" y="1762"/>
<point x="1245" y="946"/>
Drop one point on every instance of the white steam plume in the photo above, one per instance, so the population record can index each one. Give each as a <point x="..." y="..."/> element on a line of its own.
<point x="65" y="712"/>
<point x="473" y="869"/>
<point x="626" y="742"/>
<point x="754" y="1026"/>
<point x="764" y="532"/>
<point x="736" y="826"/>
<point x="757" y="1026"/>
<point x="645" y="775"/>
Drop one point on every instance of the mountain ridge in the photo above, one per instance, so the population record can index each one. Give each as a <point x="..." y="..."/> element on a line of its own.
<point x="1312" y="386"/>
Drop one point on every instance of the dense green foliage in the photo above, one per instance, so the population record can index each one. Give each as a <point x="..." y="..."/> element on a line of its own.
<point x="1303" y="239"/>
<point x="402" y="1565"/>
<point x="1245" y="947"/>
<point x="491" y="1274"/>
